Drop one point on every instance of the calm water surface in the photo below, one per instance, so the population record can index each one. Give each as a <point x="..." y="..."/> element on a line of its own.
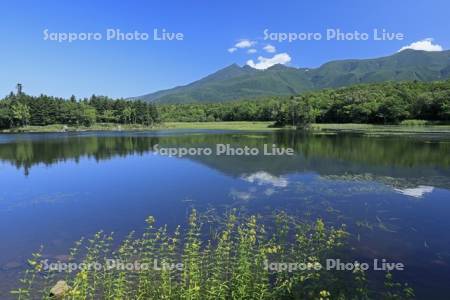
<point x="392" y="192"/>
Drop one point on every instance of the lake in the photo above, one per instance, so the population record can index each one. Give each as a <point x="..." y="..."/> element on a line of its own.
<point x="391" y="191"/>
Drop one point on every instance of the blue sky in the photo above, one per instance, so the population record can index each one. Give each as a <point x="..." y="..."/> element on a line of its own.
<point x="210" y="28"/>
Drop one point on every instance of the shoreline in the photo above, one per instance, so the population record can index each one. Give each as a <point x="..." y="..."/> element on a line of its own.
<point x="240" y="126"/>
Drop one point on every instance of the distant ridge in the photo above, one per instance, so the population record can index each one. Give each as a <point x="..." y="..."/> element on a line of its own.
<point x="235" y="82"/>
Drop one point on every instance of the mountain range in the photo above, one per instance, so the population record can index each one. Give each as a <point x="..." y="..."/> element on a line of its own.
<point x="235" y="82"/>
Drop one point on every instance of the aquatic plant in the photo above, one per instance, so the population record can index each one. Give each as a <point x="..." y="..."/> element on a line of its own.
<point x="237" y="257"/>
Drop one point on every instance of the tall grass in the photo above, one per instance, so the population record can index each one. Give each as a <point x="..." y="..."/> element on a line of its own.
<point x="219" y="260"/>
<point x="413" y="122"/>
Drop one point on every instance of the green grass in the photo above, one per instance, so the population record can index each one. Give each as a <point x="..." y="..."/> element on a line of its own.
<point x="236" y="125"/>
<point x="66" y="128"/>
<point x="222" y="258"/>
<point x="349" y="127"/>
<point x="382" y="129"/>
<point x="248" y="126"/>
<point x="406" y="127"/>
<point x="414" y="122"/>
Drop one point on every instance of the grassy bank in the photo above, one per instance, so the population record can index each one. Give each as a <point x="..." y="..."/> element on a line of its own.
<point x="65" y="128"/>
<point x="240" y="125"/>
<point x="130" y="127"/>
<point x="348" y="127"/>
<point x="383" y="129"/>
<point x="237" y="125"/>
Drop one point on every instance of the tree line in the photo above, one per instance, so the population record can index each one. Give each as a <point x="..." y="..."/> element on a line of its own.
<point x="22" y="110"/>
<point x="380" y="103"/>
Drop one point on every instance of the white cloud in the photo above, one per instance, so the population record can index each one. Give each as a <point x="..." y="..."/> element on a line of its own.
<point x="269" y="192"/>
<point x="245" y="44"/>
<point x="240" y="195"/>
<point x="251" y="51"/>
<point x="417" y="192"/>
<point x="265" y="62"/>
<point x="264" y="178"/>
<point x="269" y="48"/>
<point x="425" y="45"/>
<point x="231" y="50"/>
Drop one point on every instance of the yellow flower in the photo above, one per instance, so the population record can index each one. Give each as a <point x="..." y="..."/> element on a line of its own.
<point x="324" y="294"/>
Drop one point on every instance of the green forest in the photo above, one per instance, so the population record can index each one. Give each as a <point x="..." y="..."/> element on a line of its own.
<point x="380" y="103"/>
<point x="22" y="110"/>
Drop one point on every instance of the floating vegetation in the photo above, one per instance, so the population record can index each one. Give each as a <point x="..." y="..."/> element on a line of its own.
<point x="382" y="226"/>
<point x="338" y="186"/>
<point x="397" y="184"/>
<point x="364" y="224"/>
<point x="225" y="260"/>
<point x="26" y="200"/>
